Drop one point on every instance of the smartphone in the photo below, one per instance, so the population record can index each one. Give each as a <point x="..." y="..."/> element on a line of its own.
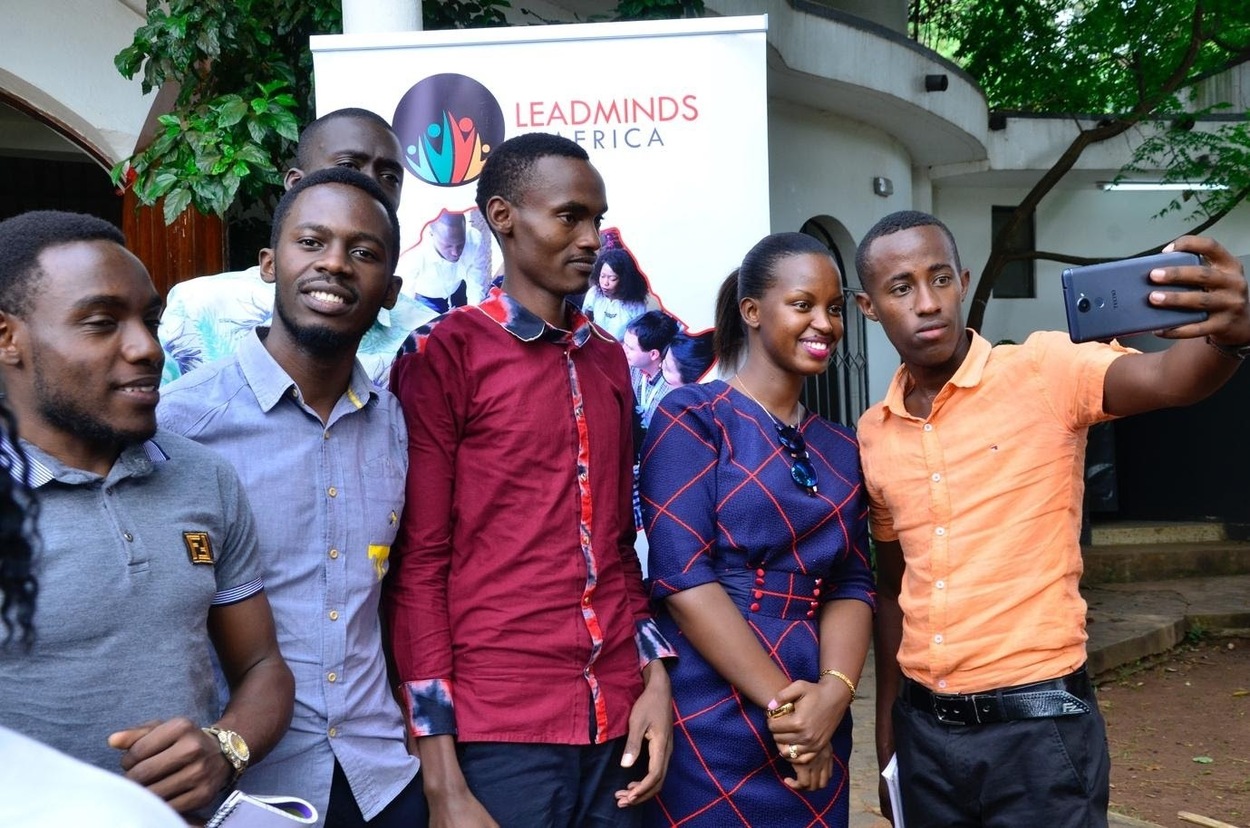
<point x="1107" y="300"/>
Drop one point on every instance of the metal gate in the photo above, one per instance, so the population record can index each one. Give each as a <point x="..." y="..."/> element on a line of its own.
<point x="841" y="393"/>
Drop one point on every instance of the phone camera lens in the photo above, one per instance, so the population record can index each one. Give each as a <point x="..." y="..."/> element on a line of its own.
<point x="1082" y="304"/>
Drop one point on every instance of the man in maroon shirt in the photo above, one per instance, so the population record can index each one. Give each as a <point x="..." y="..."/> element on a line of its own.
<point x="530" y="666"/>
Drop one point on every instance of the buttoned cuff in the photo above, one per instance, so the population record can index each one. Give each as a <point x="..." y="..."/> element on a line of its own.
<point x="651" y="643"/>
<point x="428" y="708"/>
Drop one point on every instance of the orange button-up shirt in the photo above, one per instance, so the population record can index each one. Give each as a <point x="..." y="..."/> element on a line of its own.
<point x="985" y="498"/>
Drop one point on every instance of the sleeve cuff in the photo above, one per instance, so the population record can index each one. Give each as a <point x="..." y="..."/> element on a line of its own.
<point x="239" y="593"/>
<point x="428" y="708"/>
<point x="651" y="643"/>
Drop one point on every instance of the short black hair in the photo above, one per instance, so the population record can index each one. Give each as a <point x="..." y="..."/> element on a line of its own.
<point x="752" y="280"/>
<point x="654" y="329"/>
<point x="693" y="354"/>
<point x="893" y="223"/>
<point x="311" y="131"/>
<point x="23" y="239"/>
<point x="337" y="175"/>
<point x="507" y="169"/>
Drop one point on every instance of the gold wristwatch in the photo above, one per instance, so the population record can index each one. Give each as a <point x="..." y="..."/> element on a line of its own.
<point x="232" y="747"/>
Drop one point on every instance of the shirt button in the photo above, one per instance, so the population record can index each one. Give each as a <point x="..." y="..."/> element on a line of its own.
<point x="334" y="553"/>
<point x="811" y="613"/>
<point x="334" y="731"/>
<point x="937" y="639"/>
<point x="755" y="608"/>
<point x="928" y="426"/>
<point x="936" y="477"/>
<point x="325" y="435"/>
<point x="816" y="592"/>
<point x="334" y="615"/>
<point x="940" y="531"/>
<point x="940" y="585"/>
<point x="585" y="600"/>
<point x="759" y="573"/>
<point x="759" y="593"/>
<point x="332" y="677"/>
<point x="332" y="492"/>
<point x="128" y="536"/>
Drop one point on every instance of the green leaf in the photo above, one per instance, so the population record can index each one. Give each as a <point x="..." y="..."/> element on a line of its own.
<point x="175" y="203"/>
<point x="286" y="126"/>
<point x="1203" y="760"/>
<point x="232" y="111"/>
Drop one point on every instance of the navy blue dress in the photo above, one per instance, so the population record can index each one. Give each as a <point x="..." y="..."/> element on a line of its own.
<point x="720" y="505"/>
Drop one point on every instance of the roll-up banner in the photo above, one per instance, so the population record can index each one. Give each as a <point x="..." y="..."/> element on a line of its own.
<point x="672" y="113"/>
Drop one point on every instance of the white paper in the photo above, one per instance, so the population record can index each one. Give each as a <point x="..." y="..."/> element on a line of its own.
<point x="890" y="775"/>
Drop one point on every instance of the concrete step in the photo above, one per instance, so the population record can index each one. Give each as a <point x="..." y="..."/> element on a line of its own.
<point x="1124" y="563"/>
<point x="1119" y="533"/>
<point x="1127" y="622"/>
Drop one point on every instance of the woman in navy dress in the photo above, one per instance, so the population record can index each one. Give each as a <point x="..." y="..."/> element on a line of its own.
<point x="756" y="518"/>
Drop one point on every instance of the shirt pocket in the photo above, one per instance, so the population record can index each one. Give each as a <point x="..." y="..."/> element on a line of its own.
<point x="384" y="505"/>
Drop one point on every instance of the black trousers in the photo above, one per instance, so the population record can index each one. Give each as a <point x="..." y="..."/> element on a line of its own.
<point x="1031" y="773"/>
<point x="551" y="786"/>
<point x="407" y="810"/>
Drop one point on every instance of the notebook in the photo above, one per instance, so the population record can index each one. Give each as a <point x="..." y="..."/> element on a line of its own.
<point x="244" y="810"/>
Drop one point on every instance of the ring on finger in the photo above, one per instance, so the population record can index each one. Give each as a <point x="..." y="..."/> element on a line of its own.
<point x="793" y="752"/>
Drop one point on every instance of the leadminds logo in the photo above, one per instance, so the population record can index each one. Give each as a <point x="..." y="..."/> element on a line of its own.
<point x="448" y="124"/>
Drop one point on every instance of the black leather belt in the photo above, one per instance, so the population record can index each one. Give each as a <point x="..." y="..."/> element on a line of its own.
<point x="1067" y="696"/>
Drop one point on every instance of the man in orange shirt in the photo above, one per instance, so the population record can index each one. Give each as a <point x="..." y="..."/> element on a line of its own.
<point x="973" y="464"/>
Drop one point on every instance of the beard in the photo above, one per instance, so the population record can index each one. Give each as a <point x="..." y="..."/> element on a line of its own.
<point x="316" y="340"/>
<point x="70" y="415"/>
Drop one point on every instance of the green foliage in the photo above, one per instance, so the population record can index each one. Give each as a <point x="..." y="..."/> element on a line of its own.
<point x="244" y="80"/>
<point x="658" y="9"/>
<point x="463" y="14"/>
<point x="243" y="73"/>
<point x="1096" y="56"/>
<point x="1124" y="65"/>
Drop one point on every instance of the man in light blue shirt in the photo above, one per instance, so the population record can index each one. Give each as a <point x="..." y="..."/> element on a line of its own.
<point x="322" y="454"/>
<point x="208" y="317"/>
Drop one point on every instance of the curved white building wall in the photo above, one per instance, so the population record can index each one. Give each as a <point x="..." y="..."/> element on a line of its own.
<point x="56" y="57"/>
<point x="823" y="165"/>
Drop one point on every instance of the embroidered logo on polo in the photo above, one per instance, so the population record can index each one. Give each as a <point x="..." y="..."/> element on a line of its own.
<point x="199" y="547"/>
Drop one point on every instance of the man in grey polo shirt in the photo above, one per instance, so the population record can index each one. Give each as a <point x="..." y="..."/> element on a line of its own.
<point x="147" y="561"/>
<point x="322" y="452"/>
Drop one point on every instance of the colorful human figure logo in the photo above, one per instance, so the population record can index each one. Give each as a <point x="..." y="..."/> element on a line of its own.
<point x="448" y="124"/>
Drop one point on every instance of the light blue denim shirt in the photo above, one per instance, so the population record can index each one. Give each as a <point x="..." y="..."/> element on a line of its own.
<point x="327" y="500"/>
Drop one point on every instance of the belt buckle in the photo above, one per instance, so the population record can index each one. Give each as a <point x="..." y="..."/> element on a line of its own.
<point x="953" y="710"/>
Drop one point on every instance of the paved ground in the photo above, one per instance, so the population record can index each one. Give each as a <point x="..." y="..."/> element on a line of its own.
<point x="1127" y="622"/>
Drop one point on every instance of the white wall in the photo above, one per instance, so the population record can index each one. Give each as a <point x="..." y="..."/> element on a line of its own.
<point x="57" y="57"/>
<point x="1083" y="222"/>
<point x="821" y="164"/>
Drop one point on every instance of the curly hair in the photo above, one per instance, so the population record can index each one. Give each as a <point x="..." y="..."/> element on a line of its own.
<point x="631" y="285"/>
<point x="18" y="587"/>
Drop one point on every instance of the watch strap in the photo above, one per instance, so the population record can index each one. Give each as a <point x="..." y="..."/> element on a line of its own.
<point x="1237" y="352"/>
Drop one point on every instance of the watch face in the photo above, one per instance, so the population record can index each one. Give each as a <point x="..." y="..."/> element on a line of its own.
<point x="239" y="746"/>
